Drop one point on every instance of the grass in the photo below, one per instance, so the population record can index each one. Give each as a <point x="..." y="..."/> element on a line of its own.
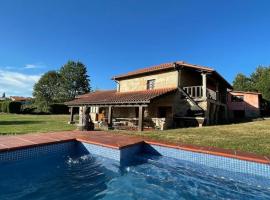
<point x="20" y="124"/>
<point x="253" y="137"/>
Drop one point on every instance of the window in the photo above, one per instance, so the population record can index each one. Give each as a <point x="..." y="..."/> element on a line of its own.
<point x="151" y="84"/>
<point x="237" y="98"/>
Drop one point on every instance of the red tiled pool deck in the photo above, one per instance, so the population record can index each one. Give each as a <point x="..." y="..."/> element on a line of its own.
<point x="116" y="141"/>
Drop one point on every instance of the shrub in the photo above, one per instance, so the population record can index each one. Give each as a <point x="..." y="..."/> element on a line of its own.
<point x="14" y="107"/>
<point x="1" y="106"/>
<point x="58" y="108"/>
<point x="10" y="107"/>
<point x="5" y="106"/>
<point x="29" y="109"/>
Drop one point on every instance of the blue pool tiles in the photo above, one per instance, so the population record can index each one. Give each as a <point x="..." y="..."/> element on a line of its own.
<point x="37" y="151"/>
<point x="230" y="164"/>
<point x="127" y="154"/>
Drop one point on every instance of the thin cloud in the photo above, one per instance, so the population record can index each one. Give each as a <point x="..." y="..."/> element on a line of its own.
<point x="15" y="83"/>
<point x="30" y="66"/>
<point x="34" y="66"/>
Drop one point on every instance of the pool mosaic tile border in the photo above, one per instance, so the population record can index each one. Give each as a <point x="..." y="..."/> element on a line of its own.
<point x="115" y="141"/>
<point x="220" y="162"/>
<point x="37" y="151"/>
<point x="124" y="155"/>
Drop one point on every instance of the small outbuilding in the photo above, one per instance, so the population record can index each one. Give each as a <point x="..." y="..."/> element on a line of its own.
<point x="242" y="105"/>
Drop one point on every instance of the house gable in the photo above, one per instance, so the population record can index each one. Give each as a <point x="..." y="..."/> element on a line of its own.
<point x="167" y="79"/>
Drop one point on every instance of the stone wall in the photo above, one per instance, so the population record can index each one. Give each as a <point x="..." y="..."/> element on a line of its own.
<point x="163" y="80"/>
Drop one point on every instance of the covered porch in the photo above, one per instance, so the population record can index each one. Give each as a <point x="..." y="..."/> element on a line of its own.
<point x="123" y="111"/>
<point x="128" y="116"/>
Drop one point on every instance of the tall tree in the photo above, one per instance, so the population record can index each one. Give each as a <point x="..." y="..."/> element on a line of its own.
<point x="261" y="81"/>
<point x="74" y="80"/>
<point x="242" y="83"/>
<point x="46" y="90"/>
<point x="4" y="95"/>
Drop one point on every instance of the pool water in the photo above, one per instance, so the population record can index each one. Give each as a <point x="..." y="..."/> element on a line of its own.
<point x="84" y="176"/>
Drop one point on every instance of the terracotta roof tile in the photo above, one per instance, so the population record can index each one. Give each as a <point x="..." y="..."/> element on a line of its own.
<point x="171" y="66"/>
<point x="17" y="98"/>
<point x="162" y="67"/>
<point x="245" y="92"/>
<point x="114" y="97"/>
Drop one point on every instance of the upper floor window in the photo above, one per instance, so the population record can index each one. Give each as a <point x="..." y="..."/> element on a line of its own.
<point x="151" y="84"/>
<point x="237" y="98"/>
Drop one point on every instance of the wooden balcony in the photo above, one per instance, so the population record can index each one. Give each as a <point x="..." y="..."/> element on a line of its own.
<point x="196" y="92"/>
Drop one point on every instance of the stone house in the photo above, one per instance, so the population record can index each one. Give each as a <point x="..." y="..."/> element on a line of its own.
<point x="243" y="105"/>
<point x="164" y="96"/>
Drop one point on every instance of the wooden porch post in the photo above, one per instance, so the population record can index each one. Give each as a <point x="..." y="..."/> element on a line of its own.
<point x="110" y="117"/>
<point x="204" y="86"/>
<point x="217" y="92"/>
<point x="71" y="120"/>
<point x="141" y="113"/>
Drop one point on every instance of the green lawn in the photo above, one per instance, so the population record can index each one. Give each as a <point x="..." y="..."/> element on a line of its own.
<point x="19" y="124"/>
<point x="251" y="137"/>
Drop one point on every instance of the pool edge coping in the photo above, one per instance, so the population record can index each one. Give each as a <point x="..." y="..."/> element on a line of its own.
<point x="233" y="154"/>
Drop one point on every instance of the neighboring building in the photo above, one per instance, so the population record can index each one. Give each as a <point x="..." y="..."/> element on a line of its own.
<point x="3" y="98"/>
<point x="243" y="105"/>
<point x="163" y="96"/>
<point x="23" y="100"/>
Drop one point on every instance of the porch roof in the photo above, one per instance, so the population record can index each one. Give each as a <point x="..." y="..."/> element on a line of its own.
<point x="112" y="97"/>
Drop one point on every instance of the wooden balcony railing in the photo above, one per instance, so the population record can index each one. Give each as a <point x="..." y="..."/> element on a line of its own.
<point x="196" y="92"/>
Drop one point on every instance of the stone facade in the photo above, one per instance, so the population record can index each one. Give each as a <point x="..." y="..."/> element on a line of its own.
<point x="162" y="80"/>
<point x="189" y="101"/>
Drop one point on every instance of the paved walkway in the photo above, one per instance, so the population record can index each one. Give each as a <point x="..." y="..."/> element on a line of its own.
<point x="94" y="137"/>
<point x="116" y="141"/>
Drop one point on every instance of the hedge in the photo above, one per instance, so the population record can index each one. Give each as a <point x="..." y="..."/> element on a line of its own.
<point x="17" y="107"/>
<point x="58" y="108"/>
<point x="10" y="107"/>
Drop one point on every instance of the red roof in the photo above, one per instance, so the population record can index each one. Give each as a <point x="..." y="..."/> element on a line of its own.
<point x="114" y="97"/>
<point x="171" y="66"/>
<point x="17" y="98"/>
<point x="245" y="92"/>
<point x="162" y="67"/>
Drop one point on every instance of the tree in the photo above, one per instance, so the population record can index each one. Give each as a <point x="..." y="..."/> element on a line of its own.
<point x="242" y="83"/>
<point x="74" y="80"/>
<point x="4" y="95"/>
<point x="261" y="81"/>
<point x="58" y="87"/>
<point x="46" y="90"/>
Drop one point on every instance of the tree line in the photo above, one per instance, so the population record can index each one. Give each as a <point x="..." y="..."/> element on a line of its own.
<point x="258" y="81"/>
<point x="62" y="85"/>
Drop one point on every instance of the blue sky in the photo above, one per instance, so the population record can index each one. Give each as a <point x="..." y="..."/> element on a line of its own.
<point x="115" y="36"/>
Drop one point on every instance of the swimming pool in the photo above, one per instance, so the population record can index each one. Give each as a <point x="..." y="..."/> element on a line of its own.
<point x="71" y="172"/>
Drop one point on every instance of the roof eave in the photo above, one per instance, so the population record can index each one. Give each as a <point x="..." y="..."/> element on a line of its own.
<point x="108" y="103"/>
